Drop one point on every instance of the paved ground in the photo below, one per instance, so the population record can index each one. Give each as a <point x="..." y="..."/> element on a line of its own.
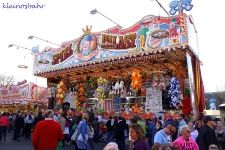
<point x="25" y="144"/>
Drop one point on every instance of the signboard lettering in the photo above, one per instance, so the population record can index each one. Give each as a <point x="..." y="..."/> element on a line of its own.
<point x="124" y="42"/>
<point x="63" y="55"/>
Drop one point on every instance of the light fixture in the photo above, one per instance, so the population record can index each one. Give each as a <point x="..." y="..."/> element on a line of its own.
<point x="43" y="61"/>
<point x="32" y="37"/>
<point x="22" y="66"/>
<point x="94" y="11"/>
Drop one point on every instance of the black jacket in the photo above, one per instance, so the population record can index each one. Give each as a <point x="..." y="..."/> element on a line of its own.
<point x="109" y="127"/>
<point x="119" y="131"/>
<point x="206" y="137"/>
<point x="19" y="123"/>
<point x="38" y="119"/>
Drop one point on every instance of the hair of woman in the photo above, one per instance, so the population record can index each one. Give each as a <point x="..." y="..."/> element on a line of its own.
<point x="156" y="147"/>
<point x="139" y="131"/>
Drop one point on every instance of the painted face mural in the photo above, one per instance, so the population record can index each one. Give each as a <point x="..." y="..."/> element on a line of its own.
<point x="87" y="44"/>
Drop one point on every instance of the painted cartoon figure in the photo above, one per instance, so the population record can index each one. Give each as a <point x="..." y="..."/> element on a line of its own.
<point x="173" y="31"/>
<point x="87" y="45"/>
<point x="141" y="41"/>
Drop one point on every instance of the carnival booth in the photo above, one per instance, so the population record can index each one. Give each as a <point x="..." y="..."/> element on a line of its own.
<point x="148" y="68"/>
<point x="23" y="97"/>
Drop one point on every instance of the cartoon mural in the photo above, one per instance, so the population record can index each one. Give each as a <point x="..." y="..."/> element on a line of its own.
<point x="148" y="35"/>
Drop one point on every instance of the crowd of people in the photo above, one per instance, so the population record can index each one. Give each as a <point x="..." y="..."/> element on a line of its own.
<point x="54" y="130"/>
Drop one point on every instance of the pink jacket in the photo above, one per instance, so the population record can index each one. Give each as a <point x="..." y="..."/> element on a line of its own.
<point x="4" y="121"/>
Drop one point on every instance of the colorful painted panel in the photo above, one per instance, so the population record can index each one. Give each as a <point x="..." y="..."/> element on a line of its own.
<point x="148" y="35"/>
<point x="27" y="91"/>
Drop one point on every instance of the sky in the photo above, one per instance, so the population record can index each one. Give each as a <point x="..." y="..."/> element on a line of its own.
<point x="62" y="20"/>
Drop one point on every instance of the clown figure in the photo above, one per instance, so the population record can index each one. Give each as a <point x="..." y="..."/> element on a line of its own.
<point x="173" y="31"/>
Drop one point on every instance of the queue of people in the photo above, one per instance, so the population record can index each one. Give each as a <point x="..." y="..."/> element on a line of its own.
<point x="53" y="131"/>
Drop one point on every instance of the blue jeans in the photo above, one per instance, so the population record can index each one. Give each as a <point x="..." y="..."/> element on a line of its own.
<point x="109" y="137"/>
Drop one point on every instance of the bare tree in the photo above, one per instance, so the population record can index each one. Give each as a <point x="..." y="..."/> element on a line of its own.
<point x="6" y="80"/>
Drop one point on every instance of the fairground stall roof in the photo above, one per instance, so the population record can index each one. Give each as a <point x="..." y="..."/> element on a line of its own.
<point x="154" y="44"/>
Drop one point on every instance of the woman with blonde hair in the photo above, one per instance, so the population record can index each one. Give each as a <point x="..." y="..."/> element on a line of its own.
<point x="137" y="137"/>
<point x="185" y="141"/>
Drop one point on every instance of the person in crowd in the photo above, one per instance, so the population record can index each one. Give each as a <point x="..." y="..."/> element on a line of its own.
<point x="185" y="141"/>
<point x="194" y="132"/>
<point x="134" y="120"/>
<point x="62" y="122"/>
<point x="126" y="130"/>
<point x="181" y="120"/>
<point x="110" y="130"/>
<point x="161" y="119"/>
<point x="10" y="117"/>
<point x="119" y="134"/>
<point x="90" y="136"/>
<point x="213" y="147"/>
<point x="137" y="137"/>
<point x="24" y="129"/>
<point x="4" y="123"/>
<point x="111" y="146"/>
<point x="159" y="126"/>
<point x="39" y="118"/>
<point x="163" y="137"/>
<point x="47" y="133"/>
<point x="55" y="118"/>
<point x="95" y="126"/>
<point x="18" y="125"/>
<point x="220" y="135"/>
<point x="156" y="147"/>
<point x="198" y="124"/>
<point x="206" y="135"/>
<point x="102" y="131"/>
<point x="77" y="121"/>
<point x="66" y="132"/>
<point x="83" y="136"/>
<point x="29" y="120"/>
<point x="91" y="116"/>
<point x="214" y="123"/>
<point x="116" y="120"/>
<point x="170" y="119"/>
<point x="142" y="124"/>
<point x="151" y="132"/>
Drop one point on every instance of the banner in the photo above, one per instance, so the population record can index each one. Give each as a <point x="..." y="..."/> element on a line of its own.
<point x="191" y="84"/>
<point x="153" y="100"/>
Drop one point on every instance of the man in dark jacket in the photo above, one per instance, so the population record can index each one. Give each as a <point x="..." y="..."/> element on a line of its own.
<point x="119" y="134"/>
<point x="110" y="130"/>
<point x="18" y="125"/>
<point x="206" y="135"/>
<point x="38" y="118"/>
<point x="91" y="116"/>
<point x="95" y="126"/>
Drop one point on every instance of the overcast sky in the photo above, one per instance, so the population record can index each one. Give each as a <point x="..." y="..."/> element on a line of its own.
<point x="62" y="20"/>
